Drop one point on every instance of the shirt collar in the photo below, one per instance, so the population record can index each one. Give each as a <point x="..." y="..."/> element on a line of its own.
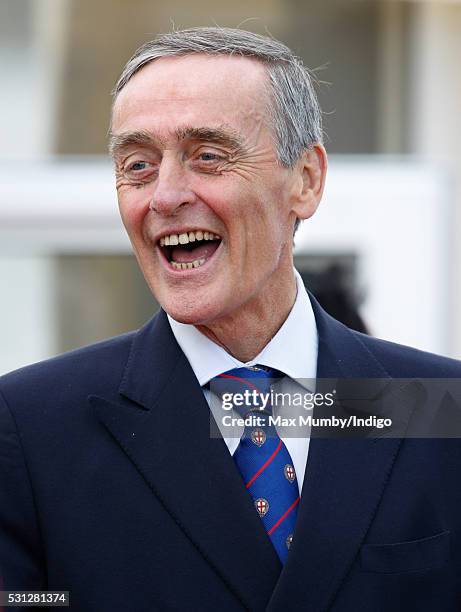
<point x="293" y="350"/>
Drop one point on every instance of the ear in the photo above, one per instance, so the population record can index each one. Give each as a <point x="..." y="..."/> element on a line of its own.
<point x="310" y="180"/>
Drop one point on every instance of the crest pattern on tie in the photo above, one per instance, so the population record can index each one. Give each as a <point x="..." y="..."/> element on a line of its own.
<point x="263" y="459"/>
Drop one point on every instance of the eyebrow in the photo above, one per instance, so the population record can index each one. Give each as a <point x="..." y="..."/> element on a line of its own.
<point x="224" y="136"/>
<point x="221" y="135"/>
<point x="118" y="142"/>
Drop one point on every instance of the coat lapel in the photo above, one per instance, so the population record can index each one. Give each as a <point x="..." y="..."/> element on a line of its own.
<point x="164" y="429"/>
<point x="343" y="484"/>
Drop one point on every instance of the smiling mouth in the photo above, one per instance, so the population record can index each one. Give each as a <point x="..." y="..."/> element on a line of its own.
<point x="189" y="249"/>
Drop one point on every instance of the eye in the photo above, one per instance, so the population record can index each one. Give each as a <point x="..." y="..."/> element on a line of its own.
<point x="139" y="170"/>
<point x="208" y="160"/>
<point x="138" y="166"/>
<point x="209" y="156"/>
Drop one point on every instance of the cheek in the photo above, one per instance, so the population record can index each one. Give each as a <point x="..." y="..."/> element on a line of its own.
<point x="133" y="206"/>
<point x="247" y="213"/>
<point x="220" y="197"/>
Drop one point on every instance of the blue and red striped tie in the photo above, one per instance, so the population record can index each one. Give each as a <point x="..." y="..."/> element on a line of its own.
<point x="262" y="458"/>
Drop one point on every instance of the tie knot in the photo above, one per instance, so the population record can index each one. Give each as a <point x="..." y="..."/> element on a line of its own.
<point x="247" y="388"/>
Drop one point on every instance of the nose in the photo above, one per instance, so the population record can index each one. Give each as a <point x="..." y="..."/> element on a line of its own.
<point x="171" y="190"/>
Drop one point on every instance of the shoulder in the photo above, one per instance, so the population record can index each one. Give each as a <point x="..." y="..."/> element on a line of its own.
<point x="75" y="371"/>
<point x="365" y="354"/>
<point x="406" y="362"/>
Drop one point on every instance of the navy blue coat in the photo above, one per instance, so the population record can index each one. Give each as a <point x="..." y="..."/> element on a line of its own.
<point x="111" y="488"/>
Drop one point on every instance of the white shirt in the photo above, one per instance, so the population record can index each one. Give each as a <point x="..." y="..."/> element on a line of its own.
<point x="293" y="350"/>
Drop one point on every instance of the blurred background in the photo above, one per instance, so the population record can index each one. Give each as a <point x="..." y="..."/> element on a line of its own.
<point x="383" y="252"/>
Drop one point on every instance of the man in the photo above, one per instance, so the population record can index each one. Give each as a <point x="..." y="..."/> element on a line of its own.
<point x="111" y="485"/>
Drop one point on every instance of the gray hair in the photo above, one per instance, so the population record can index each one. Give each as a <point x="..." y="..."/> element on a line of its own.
<point x="294" y="109"/>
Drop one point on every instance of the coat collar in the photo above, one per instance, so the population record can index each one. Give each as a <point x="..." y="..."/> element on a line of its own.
<point x="162" y="423"/>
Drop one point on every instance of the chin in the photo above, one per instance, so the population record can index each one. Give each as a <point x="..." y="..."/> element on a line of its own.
<point x="192" y="312"/>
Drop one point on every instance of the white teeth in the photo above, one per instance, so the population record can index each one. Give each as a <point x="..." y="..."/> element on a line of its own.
<point x="186" y="237"/>
<point x="187" y="266"/>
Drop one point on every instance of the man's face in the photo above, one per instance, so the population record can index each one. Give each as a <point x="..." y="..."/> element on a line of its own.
<point x="195" y="159"/>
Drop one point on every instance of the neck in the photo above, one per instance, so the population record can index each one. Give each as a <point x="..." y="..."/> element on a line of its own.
<point x="245" y="333"/>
